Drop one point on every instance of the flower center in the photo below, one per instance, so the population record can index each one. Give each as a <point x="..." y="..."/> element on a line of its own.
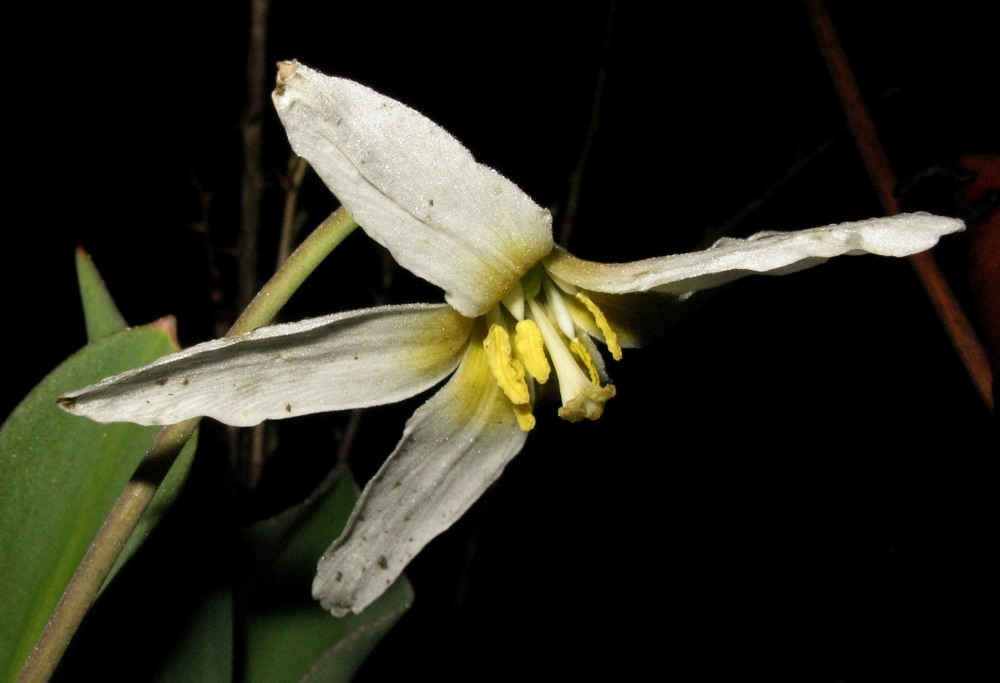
<point x="537" y="323"/>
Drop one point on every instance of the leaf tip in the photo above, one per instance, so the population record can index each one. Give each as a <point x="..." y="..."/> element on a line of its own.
<point x="84" y="263"/>
<point x="168" y="324"/>
<point x="100" y="313"/>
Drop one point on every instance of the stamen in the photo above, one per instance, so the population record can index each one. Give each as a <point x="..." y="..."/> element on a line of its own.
<point x="525" y="420"/>
<point x="587" y="342"/>
<point x="610" y="338"/>
<point x="529" y="348"/>
<point x="563" y="285"/>
<point x="514" y="301"/>
<point x="506" y="370"/>
<point x="581" y="398"/>
<point x="581" y="352"/>
<point x="559" y="310"/>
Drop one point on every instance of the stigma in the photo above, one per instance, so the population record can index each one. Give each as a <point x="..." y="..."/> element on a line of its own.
<point x="535" y="331"/>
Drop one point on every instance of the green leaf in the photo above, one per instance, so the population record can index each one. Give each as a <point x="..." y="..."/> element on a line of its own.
<point x="59" y="477"/>
<point x="203" y="650"/>
<point x="164" y="497"/>
<point x="99" y="309"/>
<point x="103" y="318"/>
<point x="289" y="636"/>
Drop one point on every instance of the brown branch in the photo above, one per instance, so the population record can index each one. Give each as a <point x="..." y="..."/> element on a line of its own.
<point x="250" y="128"/>
<point x="956" y="323"/>
<point x="252" y="193"/>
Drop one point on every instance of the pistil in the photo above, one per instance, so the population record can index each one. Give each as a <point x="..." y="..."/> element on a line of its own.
<point x="581" y="397"/>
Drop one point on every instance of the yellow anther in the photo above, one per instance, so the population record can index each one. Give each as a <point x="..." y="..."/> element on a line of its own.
<point x="610" y="338"/>
<point x="529" y="348"/>
<point x="506" y="370"/>
<point x="581" y="352"/>
<point x="525" y="420"/>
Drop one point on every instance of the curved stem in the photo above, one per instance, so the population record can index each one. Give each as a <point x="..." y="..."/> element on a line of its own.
<point x="121" y="521"/>
<point x="294" y="271"/>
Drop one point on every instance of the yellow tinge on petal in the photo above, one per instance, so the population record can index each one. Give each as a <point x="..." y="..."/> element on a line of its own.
<point x="529" y="348"/>
<point x="610" y="338"/>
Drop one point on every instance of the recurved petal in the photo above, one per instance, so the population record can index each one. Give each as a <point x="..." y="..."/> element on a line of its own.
<point x="346" y="360"/>
<point x="452" y="449"/>
<point x="414" y="188"/>
<point x="772" y="253"/>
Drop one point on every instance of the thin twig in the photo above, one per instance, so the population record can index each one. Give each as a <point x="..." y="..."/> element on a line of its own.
<point x="346" y="440"/>
<point x="597" y="103"/>
<point x="956" y="323"/>
<point x="202" y="228"/>
<point x="251" y="127"/>
<point x="252" y="191"/>
<point x="768" y="193"/>
<point x="293" y="185"/>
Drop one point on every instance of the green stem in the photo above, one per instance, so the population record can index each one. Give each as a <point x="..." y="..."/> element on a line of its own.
<point x="121" y="521"/>
<point x="294" y="271"/>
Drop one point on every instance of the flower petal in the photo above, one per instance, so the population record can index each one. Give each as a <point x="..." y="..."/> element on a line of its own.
<point x="774" y="253"/>
<point x="414" y="188"/>
<point x="347" y="360"/>
<point x="452" y="449"/>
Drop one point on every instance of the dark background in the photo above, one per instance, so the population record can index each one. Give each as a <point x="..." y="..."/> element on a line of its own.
<point x="793" y="483"/>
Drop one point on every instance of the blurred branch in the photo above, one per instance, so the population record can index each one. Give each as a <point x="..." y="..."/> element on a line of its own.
<point x="956" y="323"/>
<point x="576" y="176"/>
<point x="252" y="195"/>
<point x="764" y="196"/>
<point x="251" y="127"/>
<point x="292" y="184"/>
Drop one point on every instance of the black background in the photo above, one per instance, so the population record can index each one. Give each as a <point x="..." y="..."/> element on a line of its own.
<point x="793" y="483"/>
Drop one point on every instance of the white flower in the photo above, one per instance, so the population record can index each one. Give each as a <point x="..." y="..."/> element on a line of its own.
<point x="521" y="312"/>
